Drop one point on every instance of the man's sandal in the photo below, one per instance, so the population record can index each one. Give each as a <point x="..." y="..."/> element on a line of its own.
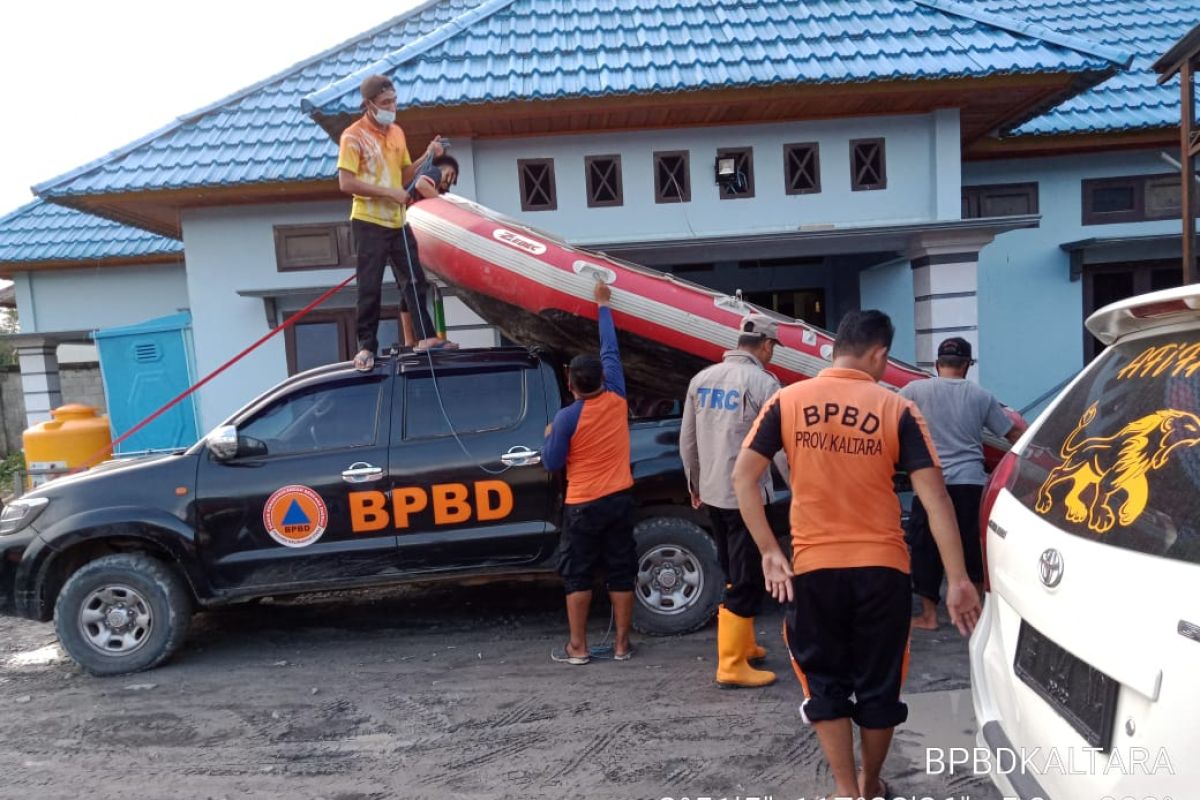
<point x="364" y="361"/>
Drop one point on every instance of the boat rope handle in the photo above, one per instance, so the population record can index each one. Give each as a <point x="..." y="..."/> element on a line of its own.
<point x="594" y="271"/>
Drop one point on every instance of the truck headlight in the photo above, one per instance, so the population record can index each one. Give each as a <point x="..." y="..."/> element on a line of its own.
<point x="19" y="513"/>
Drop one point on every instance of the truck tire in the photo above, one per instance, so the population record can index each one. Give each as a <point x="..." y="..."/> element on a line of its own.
<point x="679" y="583"/>
<point x="122" y="613"/>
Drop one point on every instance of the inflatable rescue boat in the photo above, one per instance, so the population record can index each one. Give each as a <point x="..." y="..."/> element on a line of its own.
<point x="537" y="290"/>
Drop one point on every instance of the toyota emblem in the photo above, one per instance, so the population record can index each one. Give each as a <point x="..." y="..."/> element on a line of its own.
<point x="1050" y="568"/>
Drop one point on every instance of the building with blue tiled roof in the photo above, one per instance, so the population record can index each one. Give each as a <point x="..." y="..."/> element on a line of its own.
<point x="985" y="169"/>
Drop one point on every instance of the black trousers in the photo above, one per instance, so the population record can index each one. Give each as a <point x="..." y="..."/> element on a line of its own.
<point x="740" y="561"/>
<point x="378" y="245"/>
<point x="927" y="569"/>
<point x="847" y="632"/>
<point x="595" y="532"/>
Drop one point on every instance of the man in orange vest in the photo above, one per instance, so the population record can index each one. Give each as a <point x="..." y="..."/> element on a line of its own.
<point x="847" y="581"/>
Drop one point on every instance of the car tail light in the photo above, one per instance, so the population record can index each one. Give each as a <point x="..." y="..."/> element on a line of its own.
<point x="1164" y="308"/>
<point x="1002" y="478"/>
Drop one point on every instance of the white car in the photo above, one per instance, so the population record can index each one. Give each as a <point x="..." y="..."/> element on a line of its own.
<point x="1085" y="667"/>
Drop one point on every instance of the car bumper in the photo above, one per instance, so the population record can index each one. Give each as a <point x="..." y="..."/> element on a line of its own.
<point x="992" y="737"/>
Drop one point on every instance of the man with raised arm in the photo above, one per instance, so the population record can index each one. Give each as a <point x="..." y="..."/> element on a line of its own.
<point x="590" y="438"/>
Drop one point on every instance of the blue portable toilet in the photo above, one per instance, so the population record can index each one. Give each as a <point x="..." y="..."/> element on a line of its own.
<point x="144" y="366"/>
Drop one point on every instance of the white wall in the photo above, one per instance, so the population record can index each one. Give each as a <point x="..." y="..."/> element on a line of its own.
<point x="922" y="155"/>
<point x="100" y="297"/>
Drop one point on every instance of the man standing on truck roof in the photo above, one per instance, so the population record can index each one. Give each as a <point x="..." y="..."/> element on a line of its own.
<point x="956" y="411"/>
<point x="590" y="438"/>
<point x="374" y="166"/>
<point x="722" y="403"/>
<point x="847" y="583"/>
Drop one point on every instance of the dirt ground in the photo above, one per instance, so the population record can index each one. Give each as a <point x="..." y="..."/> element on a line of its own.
<point x="443" y="692"/>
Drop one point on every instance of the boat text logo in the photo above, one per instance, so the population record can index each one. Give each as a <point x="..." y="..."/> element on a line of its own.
<point x="518" y="241"/>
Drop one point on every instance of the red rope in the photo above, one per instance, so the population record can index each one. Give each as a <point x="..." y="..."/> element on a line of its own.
<point x="99" y="455"/>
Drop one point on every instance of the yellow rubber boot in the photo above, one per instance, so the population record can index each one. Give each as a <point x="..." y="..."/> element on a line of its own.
<point x="754" y="651"/>
<point x="734" y="634"/>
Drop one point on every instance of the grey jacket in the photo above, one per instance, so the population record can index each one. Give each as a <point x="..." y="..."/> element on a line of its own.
<point x="722" y="403"/>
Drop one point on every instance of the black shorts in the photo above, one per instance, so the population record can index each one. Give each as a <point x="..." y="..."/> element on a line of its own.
<point x="595" y="531"/>
<point x="847" y="633"/>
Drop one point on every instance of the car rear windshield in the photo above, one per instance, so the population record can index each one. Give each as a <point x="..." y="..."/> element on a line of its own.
<point x="1118" y="460"/>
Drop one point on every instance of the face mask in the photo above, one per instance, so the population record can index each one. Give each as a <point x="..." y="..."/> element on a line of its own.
<point x="385" y="117"/>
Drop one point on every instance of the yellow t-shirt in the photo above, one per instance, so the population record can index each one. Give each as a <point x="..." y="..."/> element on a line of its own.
<point x="378" y="157"/>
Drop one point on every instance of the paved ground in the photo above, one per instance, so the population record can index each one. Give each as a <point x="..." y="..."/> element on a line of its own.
<point x="442" y="693"/>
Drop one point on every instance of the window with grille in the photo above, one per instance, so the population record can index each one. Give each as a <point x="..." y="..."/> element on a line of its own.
<point x="537" y="184"/>
<point x="603" y="180"/>
<point x="672" y="182"/>
<point x="802" y="168"/>
<point x="743" y="164"/>
<point x="868" y="167"/>
<point x="999" y="200"/>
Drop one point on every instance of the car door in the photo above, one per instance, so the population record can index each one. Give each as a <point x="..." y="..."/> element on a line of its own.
<point x="453" y="500"/>
<point x="279" y="515"/>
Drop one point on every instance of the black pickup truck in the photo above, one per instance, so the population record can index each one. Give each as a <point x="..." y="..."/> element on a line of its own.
<point x="337" y="479"/>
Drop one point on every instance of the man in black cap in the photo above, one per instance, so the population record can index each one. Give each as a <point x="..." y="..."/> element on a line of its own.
<point x="374" y="167"/>
<point x="723" y="401"/>
<point x="956" y="412"/>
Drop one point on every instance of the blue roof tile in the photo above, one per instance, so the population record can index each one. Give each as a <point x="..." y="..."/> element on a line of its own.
<point x="1130" y="100"/>
<point x="566" y="53"/>
<point x="40" y="231"/>
<point x="467" y="51"/>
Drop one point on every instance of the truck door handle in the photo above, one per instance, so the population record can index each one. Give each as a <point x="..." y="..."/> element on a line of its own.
<point x="362" y="472"/>
<point x="520" y="456"/>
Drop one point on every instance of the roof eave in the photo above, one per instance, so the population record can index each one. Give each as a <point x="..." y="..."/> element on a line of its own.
<point x="10" y="268"/>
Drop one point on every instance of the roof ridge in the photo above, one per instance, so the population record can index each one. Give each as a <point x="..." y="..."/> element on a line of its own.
<point x="1031" y="29"/>
<point x="183" y="119"/>
<point x="312" y="102"/>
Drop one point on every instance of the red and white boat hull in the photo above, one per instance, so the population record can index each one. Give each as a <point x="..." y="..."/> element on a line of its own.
<point x="508" y="272"/>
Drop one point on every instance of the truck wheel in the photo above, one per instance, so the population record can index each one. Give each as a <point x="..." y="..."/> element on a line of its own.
<point x="122" y="613"/>
<point x="679" y="581"/>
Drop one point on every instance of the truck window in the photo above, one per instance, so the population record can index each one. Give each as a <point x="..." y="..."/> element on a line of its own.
<point x="475" y="401"/>
<point x="322" y="417"/>
<point x="1118" y="460"/>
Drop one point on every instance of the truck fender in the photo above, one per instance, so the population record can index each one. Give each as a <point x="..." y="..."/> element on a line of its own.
<point x="158" y="529"/>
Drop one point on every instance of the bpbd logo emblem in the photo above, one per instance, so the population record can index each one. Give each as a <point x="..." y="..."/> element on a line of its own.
<point x="295" y="516"/>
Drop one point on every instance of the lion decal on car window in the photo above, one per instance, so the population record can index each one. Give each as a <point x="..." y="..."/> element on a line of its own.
<point x="1112" y="466"/>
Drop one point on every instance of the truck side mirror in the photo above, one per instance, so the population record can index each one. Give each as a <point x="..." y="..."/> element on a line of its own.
<point x="226" y="444"/>
<point x="223" y="443"/>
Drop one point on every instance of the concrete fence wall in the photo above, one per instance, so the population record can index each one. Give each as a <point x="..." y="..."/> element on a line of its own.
<point x="80" y="384"/>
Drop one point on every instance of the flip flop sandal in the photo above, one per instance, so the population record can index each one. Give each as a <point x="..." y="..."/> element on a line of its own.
<point x="607" y="653"/>
<point x="364" y="363"/>
<point x="563" y="657"/>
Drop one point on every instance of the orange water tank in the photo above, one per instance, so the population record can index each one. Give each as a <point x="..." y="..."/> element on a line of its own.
<point x="59" y="445"/>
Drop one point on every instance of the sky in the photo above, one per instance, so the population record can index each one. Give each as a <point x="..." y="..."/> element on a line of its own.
<point x="80" y="79"/>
